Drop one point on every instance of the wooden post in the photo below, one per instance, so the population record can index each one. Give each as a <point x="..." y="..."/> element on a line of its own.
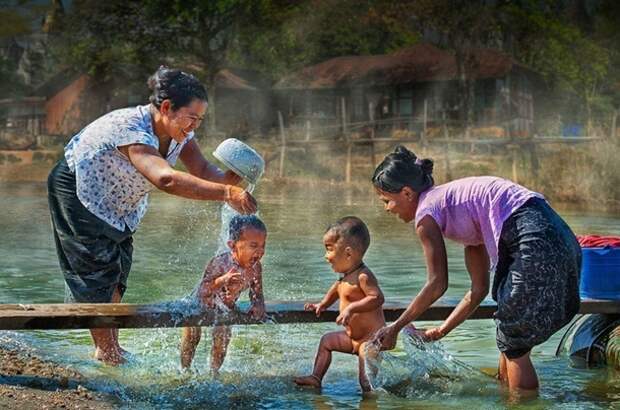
<point x="283" y="144"/>
<point x="345" y="132"/>
<point x="446" y="148"/>
<point x="348" y="166"/>
<point x="535" y="164"/>
<point x="371" y="116"/>
<point x="614" y="119"/>
<point x="307" y="130"/>
<point x="425" y="115"/>
<point x="345" y="129"/>
<point x="515" y="157"/>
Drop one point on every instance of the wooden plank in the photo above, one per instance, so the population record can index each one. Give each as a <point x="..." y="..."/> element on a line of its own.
<point x="173" y="314"/>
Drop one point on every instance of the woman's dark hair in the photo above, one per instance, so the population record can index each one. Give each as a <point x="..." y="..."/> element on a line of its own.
<point x="175" y="85"/>
<point x="239" y="223"/>
<point x="402" y="168"/>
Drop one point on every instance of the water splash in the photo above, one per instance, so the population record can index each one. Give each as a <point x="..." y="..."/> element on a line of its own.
<point x="226" y="214"/>
<point x="423" y="369"/>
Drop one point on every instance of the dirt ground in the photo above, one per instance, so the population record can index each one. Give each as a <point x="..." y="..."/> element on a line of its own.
<point x="28" y="383"/>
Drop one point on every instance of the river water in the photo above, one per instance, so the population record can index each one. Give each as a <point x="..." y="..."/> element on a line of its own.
<point x="176" y="239"/>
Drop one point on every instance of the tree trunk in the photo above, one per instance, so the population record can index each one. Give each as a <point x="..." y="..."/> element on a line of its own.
<point x="211" y="125"/>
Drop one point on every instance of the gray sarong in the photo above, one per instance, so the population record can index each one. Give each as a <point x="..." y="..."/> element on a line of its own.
<point x="95" y="257"/>
<point x="536" y="283"/>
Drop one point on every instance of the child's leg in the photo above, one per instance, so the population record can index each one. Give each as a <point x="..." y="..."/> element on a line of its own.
<point x="189" y="341"/>
<point x="334" y="341"/>
<point x="363" y="375"/>
<point x="221" y="338"/>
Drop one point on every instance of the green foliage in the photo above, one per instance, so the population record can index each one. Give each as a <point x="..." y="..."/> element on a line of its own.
<point x="119" y="41"/>
<point x="18" y="16"/>
<point x="110" y="40"/>
<point x="11" y="85"/>
<point x="286" y="36"/>
<point x="573" y="62"/>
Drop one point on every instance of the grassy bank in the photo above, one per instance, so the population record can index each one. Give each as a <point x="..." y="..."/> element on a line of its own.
<point x="585" y="175"/>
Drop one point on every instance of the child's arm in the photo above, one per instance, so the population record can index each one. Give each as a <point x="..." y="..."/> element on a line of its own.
<point x="330" y="297"/>
<point x="257" y="307"/>
<point x="215" y="277"/>
<point x="374" y="299"/>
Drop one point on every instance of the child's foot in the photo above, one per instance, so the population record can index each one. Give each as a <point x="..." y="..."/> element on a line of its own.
<point x="311" y="381"/>
<point x="111" y="357"/>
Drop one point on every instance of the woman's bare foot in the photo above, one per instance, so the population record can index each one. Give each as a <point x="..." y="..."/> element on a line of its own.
<point x="112" y="357"/>
<point x="311" y="381"/>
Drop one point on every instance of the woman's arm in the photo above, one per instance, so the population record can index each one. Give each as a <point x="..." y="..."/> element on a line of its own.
<point x="436" y="282"/>
<point x="197" y="165"/>
<point x="477" y="263"/>
<point x="437" y="272"/>
<point x="149" y="163"/>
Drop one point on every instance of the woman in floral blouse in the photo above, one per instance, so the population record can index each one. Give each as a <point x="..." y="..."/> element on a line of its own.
<point x="98" y="192"/>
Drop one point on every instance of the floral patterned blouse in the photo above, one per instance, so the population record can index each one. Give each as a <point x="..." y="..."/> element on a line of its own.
<point x="107" y="183"/>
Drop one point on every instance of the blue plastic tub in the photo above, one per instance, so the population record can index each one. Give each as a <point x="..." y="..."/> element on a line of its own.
<point x="600" y="273"/>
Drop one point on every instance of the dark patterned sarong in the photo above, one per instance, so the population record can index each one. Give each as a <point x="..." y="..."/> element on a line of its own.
<point x="536" y="283"/>
<point x="95" y="257"/>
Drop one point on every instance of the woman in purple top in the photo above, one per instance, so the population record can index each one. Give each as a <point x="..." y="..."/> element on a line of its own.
<point x="503" y="226"/>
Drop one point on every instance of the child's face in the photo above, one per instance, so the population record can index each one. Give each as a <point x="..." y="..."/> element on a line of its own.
<point x="250" y="248"/>
<point x="341" y="257"/>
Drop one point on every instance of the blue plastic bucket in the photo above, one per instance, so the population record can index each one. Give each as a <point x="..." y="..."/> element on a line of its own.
<point x="600" y="273"/>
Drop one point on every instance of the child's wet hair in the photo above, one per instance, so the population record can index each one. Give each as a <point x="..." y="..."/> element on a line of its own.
<point x="353" y="231"/>
<point x="239" y="223"/>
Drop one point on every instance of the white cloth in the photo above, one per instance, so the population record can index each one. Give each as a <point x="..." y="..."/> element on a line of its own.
<point x="107" y="183"/>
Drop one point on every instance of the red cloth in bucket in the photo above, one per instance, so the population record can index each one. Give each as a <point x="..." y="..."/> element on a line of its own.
<point x="598" y="241"/>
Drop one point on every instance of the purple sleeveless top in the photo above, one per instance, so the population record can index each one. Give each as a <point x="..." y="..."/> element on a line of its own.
<point x="472" y="210"/>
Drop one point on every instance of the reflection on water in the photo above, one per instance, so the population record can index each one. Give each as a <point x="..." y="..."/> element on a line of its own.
<point x="179" y="236"/>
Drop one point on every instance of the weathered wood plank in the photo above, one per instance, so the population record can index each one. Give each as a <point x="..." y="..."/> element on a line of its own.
<point x="171" y="314"/>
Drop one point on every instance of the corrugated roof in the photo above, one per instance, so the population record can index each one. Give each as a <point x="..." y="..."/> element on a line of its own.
<point x="227" y="79"/>
<point x="419" y="63"/>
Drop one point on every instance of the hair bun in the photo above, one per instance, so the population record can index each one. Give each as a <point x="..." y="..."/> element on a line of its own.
<point x="404" y="154"/>
<point x="427" y="165"/>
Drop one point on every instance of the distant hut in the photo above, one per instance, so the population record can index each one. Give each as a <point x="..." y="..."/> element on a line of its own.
<point x="242" y="103"/>
<point x="409" y="84"/>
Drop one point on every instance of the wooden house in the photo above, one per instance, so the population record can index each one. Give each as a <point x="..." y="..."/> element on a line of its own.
<point x="408" y="87"/>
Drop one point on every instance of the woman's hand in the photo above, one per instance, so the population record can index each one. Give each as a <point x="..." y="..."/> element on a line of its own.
<point x="230" y="178"/>
<point x="433" y="334"/>
<point x="317" y="308"/>
<point x="387" y="337"/>
<point x="240" y="200"/>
